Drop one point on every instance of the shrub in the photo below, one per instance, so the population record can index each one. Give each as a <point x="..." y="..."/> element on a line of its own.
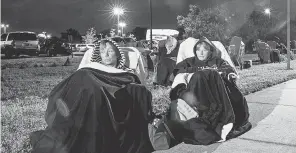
<point x="23" y="66"/>
<point x="3" y="67"/>
<point x="53" y="64"/>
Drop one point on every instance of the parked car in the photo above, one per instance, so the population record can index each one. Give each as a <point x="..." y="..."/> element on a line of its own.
<point x="90" y="46"/>
<point x="21" y="42"/>
<point x="55" y="46"/>
<point x="84" y="47"/>
<point x="129" y="39"/>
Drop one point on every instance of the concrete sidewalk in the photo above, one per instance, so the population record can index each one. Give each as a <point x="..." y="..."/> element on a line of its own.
<point x="273" y="115"/>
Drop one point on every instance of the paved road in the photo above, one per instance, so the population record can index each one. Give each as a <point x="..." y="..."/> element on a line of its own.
<point x="273" y="115"/>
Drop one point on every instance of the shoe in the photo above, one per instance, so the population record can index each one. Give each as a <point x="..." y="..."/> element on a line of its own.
<point x="239" y="131"/>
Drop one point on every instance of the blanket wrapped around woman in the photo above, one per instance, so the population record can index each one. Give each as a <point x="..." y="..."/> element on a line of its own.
<point x="207" y="87"/>
<point x="98" y="109"/>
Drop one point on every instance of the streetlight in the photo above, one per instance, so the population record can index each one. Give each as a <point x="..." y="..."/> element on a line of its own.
<point x="267" y="11"/>
<point x="48" y="36"/>
<point x="150" y="6"/>
<point x="118" y="11"/>
<point x="4" y="26"/>
<point x="122" y="25"/>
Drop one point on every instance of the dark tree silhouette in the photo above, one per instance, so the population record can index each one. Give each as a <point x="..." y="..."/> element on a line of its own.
<point x="140" y="33"/>
<point x="76" y="37"/>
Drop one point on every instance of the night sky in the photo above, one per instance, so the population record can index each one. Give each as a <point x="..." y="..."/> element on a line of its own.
<point x="55" y="16"/>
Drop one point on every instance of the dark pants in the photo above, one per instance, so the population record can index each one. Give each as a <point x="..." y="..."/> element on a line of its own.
<point x="164" y="70"/>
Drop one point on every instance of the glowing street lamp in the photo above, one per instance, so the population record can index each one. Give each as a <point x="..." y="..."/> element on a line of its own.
<point x="122" y="25"/>
<point x="267" y="11"/>
<point x="48" y="36"/>
<point x="4" y="26"/>
<point x="118" y="11"/>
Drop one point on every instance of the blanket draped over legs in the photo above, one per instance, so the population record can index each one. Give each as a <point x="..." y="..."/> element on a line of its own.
<point x="213" y="106"/>
<point x="94" y="111"/>
<point x="238" y="102"/>
<point x="218" y="102"/>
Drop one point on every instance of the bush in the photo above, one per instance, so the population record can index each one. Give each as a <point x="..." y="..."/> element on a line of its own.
<point x="23" y="66"/>
<point x="283" y="58"/>
<point x="53" y="64"/>
<point x="35" y="65"/>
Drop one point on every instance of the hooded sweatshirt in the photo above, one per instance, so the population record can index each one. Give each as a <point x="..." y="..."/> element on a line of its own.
<point x="93" y="56"/>
<point x="214" y="61"/>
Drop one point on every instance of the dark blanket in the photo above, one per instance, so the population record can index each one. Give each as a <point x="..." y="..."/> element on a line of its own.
<point x="212" y="104"/>
<point x="96" y="112"/>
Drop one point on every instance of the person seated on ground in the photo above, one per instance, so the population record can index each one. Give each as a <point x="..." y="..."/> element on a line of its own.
<point x="101" y="108"/>
<point x="167" y="55"/>
<point x="205" y="99"/>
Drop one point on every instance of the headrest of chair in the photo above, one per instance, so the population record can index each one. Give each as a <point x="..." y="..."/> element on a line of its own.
<point x="131" y="56"/>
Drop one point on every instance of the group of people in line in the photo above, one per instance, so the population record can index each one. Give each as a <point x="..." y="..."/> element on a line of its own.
<point x="104" y="107"/>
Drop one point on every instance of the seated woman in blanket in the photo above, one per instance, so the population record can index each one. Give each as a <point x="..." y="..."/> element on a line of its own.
<point x="205" y="83"/>
<point x="92" y="56"/>
<point x="101" y="108"/>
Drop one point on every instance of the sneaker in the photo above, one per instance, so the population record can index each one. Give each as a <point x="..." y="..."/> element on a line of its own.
<point x="239" y="131"/>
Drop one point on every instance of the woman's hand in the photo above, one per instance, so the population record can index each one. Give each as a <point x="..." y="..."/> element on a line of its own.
<point x="232" y="76"/>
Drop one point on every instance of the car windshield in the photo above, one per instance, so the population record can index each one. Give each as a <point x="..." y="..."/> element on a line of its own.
<point x="128" y="39"/>
<point x="3" y="37"/>
<point x="118" y="40"/>
<point x="22" y="36"/>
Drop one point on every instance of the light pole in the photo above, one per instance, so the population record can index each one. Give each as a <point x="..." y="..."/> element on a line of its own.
<point x="122" y="25"/>
<point x="4" y="26"/>
<point x="288" y="35"/>
<point x="118" y="11"/>
<point x="150" y="6"/>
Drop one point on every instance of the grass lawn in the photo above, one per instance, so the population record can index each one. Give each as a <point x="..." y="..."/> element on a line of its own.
<point x="26" y="83"/>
